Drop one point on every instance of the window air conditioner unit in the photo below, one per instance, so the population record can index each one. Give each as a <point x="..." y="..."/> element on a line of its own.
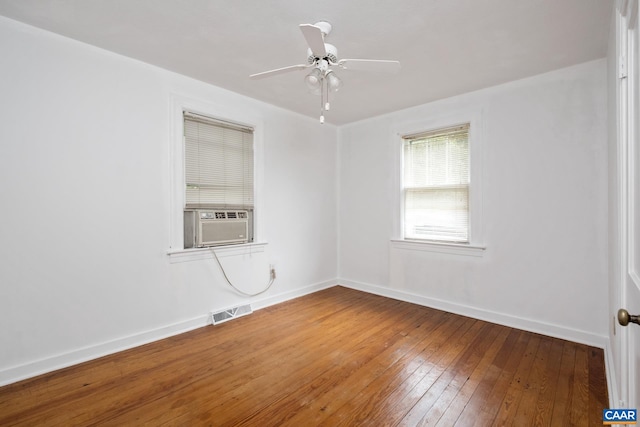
<point x="215" y="227"/>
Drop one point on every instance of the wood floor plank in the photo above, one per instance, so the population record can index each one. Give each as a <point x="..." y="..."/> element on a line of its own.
<point x="473" y="395"/>
<point x="597" y="381"/>
<point x="486" y="406"/>
<point x="527" y="406"/>
<point x="564" y="388"/>
<point x="315" y="401"/>
<point x="347" y="361"/>
<point x="516" y="388"/>
<point x="335" y="357"/>
<point x="365" y="405"/>
<point x="548" y="384"/>
<point x="392" y="409"/>
<point x="453" y="401"/>
<point x="580" y="396"/>
<point x="438" y="398"/>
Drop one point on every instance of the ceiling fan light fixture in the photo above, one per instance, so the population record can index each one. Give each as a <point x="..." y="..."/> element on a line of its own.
<point x="334" y="82"/>
<point x="314" y="80"/>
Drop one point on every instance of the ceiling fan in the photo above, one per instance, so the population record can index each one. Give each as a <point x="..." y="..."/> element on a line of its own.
<point x="321" y="57"/>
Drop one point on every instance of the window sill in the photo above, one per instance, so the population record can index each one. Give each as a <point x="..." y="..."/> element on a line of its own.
<point x="196" y="254"/>
<point x="443" y="248"/>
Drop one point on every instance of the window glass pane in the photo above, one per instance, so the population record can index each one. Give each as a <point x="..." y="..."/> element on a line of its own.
<point x="436" y="185"/>
<point x="437" y="214"/>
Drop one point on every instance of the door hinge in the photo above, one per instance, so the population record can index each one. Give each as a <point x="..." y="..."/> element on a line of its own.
<point x="623" y="67"/>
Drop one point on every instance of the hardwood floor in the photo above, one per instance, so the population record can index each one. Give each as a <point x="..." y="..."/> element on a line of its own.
<point x="336" y="357"/>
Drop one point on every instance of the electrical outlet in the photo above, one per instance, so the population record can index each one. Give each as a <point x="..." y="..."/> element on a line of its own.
<point x="272" y="270"/>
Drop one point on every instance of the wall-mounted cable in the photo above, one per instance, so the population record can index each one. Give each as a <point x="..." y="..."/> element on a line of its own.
<point x="272" y="276"/>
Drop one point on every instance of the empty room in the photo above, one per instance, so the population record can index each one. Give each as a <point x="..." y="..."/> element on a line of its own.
<point x="331" y="213"/>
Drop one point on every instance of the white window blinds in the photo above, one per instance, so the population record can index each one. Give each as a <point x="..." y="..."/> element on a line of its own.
<point x="436" y="185"/>
<point x="218" y="163"/>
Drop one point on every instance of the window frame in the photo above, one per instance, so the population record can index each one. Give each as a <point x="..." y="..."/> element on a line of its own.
<point x="177" y="182"/>
<point x="475" y="246"/>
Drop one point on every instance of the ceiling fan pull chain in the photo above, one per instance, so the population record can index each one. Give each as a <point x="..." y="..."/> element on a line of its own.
<point x="322" y="101"/>
<point x="327" y="106"/>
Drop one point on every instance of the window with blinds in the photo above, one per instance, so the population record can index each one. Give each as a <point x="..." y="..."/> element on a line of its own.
<point x="218" y="164"/>
<point x="436" y="185"/>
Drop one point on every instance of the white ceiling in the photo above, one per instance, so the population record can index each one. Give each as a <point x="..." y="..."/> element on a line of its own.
<point x="446" y="47"/>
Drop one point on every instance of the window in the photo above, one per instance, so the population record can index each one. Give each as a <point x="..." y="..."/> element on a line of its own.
<point x="436" y="179"/>
<point x="229" y="117"/>
<point x="218" y="166"/>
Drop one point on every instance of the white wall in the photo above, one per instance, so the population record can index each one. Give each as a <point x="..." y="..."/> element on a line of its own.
<point x="85" y="193"/>
<point x="544" y="208"/>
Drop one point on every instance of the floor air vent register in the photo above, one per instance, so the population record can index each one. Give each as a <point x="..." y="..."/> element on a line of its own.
<point x="231" y="313"/>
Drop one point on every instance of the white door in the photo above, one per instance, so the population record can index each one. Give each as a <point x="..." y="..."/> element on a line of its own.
<point x="632" y="276"/>
<point x="628" y="195"/>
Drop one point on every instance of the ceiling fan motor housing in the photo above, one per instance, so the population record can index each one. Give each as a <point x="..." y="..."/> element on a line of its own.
<point x="332" y="54"/>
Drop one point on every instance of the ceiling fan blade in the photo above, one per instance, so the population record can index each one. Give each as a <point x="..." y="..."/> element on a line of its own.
<point x="314" y="38"/>
<point x="379" y="65"/>
<point x="279" y="71"/>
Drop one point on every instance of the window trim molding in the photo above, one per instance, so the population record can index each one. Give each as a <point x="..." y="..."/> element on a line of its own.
<point x="197" y="254"/>
<point x="179" y="103"/>
<point x="473" y="116"/>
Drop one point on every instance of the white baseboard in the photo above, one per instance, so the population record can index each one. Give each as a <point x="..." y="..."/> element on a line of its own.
<point x="530" y="325"/>
<point x="286" y="296"/>
<point x="53" y="363"/>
